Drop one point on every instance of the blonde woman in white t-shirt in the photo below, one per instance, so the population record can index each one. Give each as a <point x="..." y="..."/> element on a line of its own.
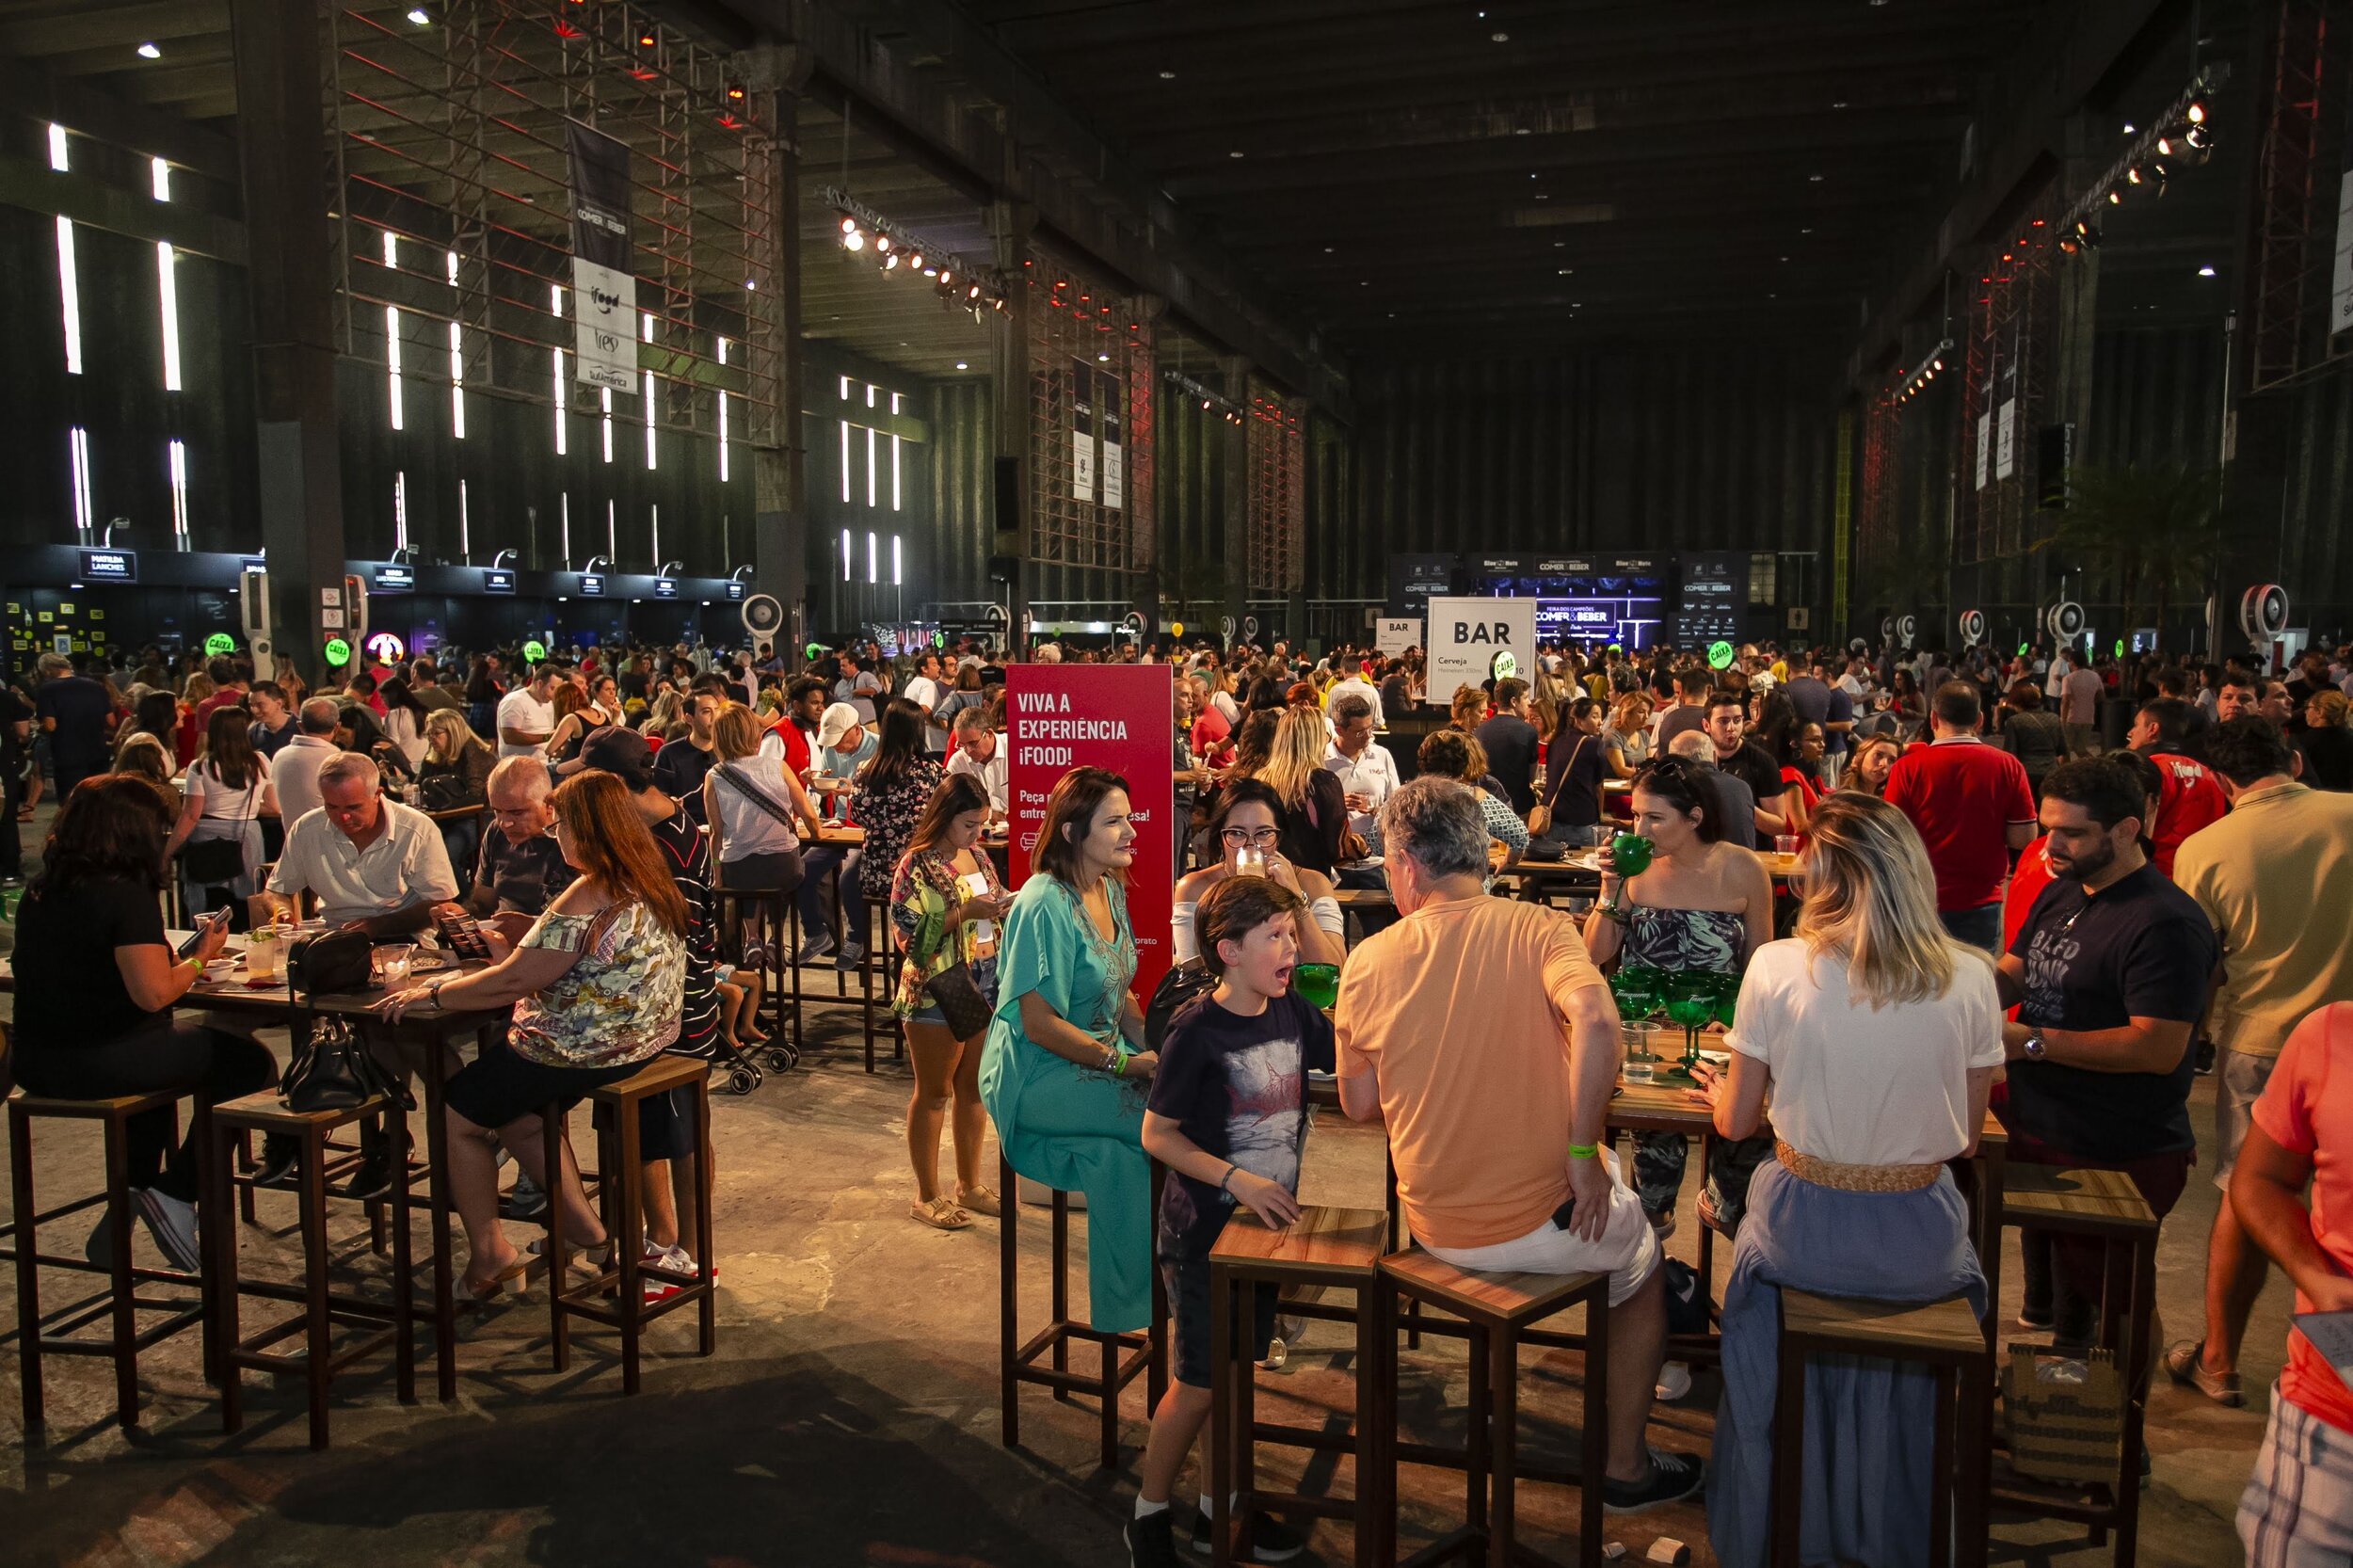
<point x="224" y="795"/>
<point x="1877" y="1037"/>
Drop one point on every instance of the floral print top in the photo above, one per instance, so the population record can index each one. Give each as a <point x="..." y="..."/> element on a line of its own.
<point x="617" y="1004"/>
<point x="888" y="815"/>
<point x="928" y="887"/>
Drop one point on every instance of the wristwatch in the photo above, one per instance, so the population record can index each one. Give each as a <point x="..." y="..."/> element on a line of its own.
<point x="2033" y="1047"/>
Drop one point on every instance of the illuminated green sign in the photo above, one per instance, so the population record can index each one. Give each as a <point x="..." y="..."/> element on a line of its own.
<point x="338" y="651"/>
<point x="2120" y="648"/>
<point x="1506" y="667"/>
<point x="814" y="650"/>
<point x="535" y="651"/>
<point x="1720" y="656"/>
<point x="220" y="644"/>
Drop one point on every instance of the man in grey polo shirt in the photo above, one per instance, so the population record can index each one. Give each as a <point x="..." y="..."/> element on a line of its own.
<point x="373" y="863"/>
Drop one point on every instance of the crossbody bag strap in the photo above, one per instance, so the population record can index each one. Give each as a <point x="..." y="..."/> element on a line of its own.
<point x="754" y="793"/>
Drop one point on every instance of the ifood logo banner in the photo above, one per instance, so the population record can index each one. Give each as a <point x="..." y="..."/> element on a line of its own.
<point x="1473" y="639"/>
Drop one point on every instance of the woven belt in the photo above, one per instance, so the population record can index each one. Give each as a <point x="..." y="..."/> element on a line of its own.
<point x="1856" y="1178"/>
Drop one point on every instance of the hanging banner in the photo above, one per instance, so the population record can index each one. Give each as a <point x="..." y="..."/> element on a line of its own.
<point x="2340" y="284"/>
<point x="605" y="286"/>
<point x="1083" y="431"/>
<point x="1064" y="716"/>
<point x="1114" y="459"/>
<point x="2005" y="438"/>
<point x="1393" y="637"/>
<point x="1985" y="447"/>
<point x="1468" y="635"/>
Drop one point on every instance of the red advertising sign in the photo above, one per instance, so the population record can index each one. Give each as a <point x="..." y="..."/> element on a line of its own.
<point x="1118" y="716"/>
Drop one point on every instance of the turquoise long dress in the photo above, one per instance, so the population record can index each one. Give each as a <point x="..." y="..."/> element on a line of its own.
<point x="1070" y="1126"/>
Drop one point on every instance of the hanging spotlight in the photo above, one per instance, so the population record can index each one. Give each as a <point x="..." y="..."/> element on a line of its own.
<point x="946" y="277"/>
<point x="2199" y="137"/>
<point x="916" y="260"/>
<point x="852" y="239"/>
<point x="645" y="40"/>
<point x="2196" y="114"/>
<point x="2131" y="175"/>
<point x="890" y="263"/>
<point x="735" y="95"/>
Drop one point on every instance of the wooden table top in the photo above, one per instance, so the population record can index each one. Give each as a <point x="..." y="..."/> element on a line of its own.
<point x="1362" y="897"/>
<point x="1339" y="1245"/>
<point x="2092" y="1202"/>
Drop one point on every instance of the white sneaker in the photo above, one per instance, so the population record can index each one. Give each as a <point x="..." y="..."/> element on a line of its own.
<point x="1675" y="1382"/>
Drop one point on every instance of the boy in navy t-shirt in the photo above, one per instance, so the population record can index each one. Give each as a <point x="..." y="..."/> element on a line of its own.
<point x="1227" y="1113"/>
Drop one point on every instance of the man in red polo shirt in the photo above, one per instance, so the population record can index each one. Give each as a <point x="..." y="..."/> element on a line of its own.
<point x="1972" y="806"/>
<point x="2192" y="797"/>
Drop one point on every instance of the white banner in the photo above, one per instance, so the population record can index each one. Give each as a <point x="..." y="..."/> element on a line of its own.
<point x="1466" y="636"/>
<point x="1393" y="637"/>
<point x="1985" y="446"/>
<point x="2005" y="438"/>
<point x="1114" y="476"/>
<point x="2341" y="288"/>
<point x="604" y="325"/>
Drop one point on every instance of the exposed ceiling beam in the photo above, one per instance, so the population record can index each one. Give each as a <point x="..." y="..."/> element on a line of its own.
<point x="2060" y="60"/>
<point x="879" y="52"/>
<point x="40" y="94"/>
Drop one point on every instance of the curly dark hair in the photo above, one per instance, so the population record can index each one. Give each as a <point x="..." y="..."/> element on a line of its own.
<point x="113" y="827"/>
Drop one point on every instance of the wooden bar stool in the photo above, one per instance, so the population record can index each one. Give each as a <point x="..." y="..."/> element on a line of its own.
<point x="322" y="1306"/>
<point x="1125" y="1354"/>
<point x="614" y="1108"/>
<point x="1945" y="1336"/>
<point x="881" y="954"/>
<point x="2104" y="1206"/>
<point x="120" y="1303"/>
<point x="1335" y="1248"/>
<point x="1497" y="1312"/>
<point x="780" y="978"/>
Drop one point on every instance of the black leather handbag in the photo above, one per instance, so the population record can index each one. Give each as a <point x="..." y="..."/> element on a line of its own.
<point x="329" y="962"/>
<point x="335" y="1071"/>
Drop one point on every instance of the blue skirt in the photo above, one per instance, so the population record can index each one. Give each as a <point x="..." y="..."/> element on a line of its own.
<point x="1868" y="1423"/>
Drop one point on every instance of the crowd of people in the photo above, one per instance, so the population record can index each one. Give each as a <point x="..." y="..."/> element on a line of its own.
<point x="2053" y="888"/>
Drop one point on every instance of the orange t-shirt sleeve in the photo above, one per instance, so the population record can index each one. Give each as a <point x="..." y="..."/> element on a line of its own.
<point x="1568" y="968"/>
<point x="1353" y="1053"/>
<point x="2285" y="1110"/>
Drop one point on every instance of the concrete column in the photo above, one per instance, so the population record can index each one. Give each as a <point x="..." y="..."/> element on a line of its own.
<point x="282" y="158"/>
<point x="1010" y="226"/>
<point x="1237" y="436"/>
<point x="780" y="518"/>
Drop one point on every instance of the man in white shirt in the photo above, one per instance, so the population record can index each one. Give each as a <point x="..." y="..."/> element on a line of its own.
<point x="294" y="773"/>
<point x="923" y="689"/>
<point x="978" y="753"/>
<point x="373" y="863"/>
<point x="1353" y="685"/>
<point x="1367" y="772"/>
<point x="526" y="715"/>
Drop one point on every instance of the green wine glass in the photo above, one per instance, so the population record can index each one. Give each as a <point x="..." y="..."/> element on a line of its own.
<point x="1691" y="1008"/>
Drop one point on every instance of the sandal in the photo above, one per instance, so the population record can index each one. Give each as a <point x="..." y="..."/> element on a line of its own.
<point x="941" y="1213"/>
<point x="508" y="1282"/>
<point x="980" y="1200"/>
<point x="591" y="1262"/>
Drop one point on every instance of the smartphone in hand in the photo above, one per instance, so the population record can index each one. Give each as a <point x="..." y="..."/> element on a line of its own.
<point x="205" y="926"/>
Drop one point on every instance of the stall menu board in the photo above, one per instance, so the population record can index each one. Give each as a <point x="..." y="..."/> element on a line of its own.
<point x="1715" y="597"/>
<point x="1465" y="636"/>
<point x="1413" y="577"/>
<point x="1064" y="716"/>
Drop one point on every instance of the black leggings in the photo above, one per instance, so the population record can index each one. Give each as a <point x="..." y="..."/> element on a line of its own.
<point x="208" y="1063"/>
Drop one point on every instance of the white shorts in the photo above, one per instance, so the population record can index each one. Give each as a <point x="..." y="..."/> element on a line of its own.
<point x="1627" y="1251"/>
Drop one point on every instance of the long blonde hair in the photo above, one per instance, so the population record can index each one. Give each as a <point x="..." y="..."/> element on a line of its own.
<point x="1299" y="742"/>
<point x="1870" y="898"/>
<point x="448" y="736"/>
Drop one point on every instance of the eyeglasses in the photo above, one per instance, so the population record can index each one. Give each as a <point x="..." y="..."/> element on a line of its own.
<point x="1260" y="837"/>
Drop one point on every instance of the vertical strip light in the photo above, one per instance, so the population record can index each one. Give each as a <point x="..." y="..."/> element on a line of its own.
<point x="59" y="159"/>
<point x="555" y="304"/>
<point x="723" y="418"/>
<point x="168" y="295"/>
<point x="646" y="404"/>
<point x="176" y="459"/>
<point x="70" y="293"/>
<point x="653" y="510"/>
<point x="563" y="531"/>
<point x="465" y="527"/>
<point x="391" y="362"/>
<point x="400" y="509"/>
<point x="605" y="399"/>
<point x="456" y="360"/>
<point x="895" y="401"/>
<point x="159" y="178"/>
<point x="872" y="476"/>
<point x="898" y="569"/>
<point x="612" y="533"/>
<point x="873" y="562"/>
<point x="845" y="453"/>
<point x="846" y="556"/>
<point x="77" y="446"/>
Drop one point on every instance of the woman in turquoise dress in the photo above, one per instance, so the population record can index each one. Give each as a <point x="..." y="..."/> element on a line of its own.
<point x="1065" y="1073"/>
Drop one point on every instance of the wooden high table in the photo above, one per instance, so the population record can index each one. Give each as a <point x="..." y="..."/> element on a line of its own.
<point x="430" y="1032"/>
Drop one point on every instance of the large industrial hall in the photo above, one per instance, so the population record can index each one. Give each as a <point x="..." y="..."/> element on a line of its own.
<point x="1115" y="783"/>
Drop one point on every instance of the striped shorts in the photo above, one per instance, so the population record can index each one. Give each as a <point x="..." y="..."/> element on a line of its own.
<point x="2298" y="1508"/>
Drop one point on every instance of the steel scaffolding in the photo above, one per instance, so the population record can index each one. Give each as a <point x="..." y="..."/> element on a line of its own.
<point x="1090" y="374"/>
<point x="2008" y="354"/>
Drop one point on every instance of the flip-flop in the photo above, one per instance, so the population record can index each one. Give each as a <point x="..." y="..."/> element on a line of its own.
<point x="941" y="1213"/>
<point x="508" y="1282"/>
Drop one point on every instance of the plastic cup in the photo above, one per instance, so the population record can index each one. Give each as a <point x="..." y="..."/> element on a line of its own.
<point x="392" y="962"/>
<point x="1786" y="843"/>
<point x="1250" y="862"/>
<point x="1317" y="983"/>
<point x="264" y="952"/>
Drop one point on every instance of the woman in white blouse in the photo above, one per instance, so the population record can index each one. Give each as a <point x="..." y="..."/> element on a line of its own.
<point x="1877" y="1037"/>
<point x="224" y="795"/>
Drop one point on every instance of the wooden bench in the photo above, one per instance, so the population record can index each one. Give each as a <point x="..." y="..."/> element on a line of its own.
<point x="1328" y="1248"/>
<point x="1945" y="1336"/>
<point x="1499" y="1309"/>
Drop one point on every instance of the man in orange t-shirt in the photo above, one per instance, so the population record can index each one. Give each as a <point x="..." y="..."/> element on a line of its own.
<point x="1479" y="1029"/>
<point x="2298" y="1507"/>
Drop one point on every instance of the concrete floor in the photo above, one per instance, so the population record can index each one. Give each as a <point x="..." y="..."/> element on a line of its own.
<point x="851" y="1415"/>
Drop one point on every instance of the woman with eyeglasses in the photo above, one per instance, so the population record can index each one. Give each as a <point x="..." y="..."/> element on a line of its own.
<point x="1248" y="833"/>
